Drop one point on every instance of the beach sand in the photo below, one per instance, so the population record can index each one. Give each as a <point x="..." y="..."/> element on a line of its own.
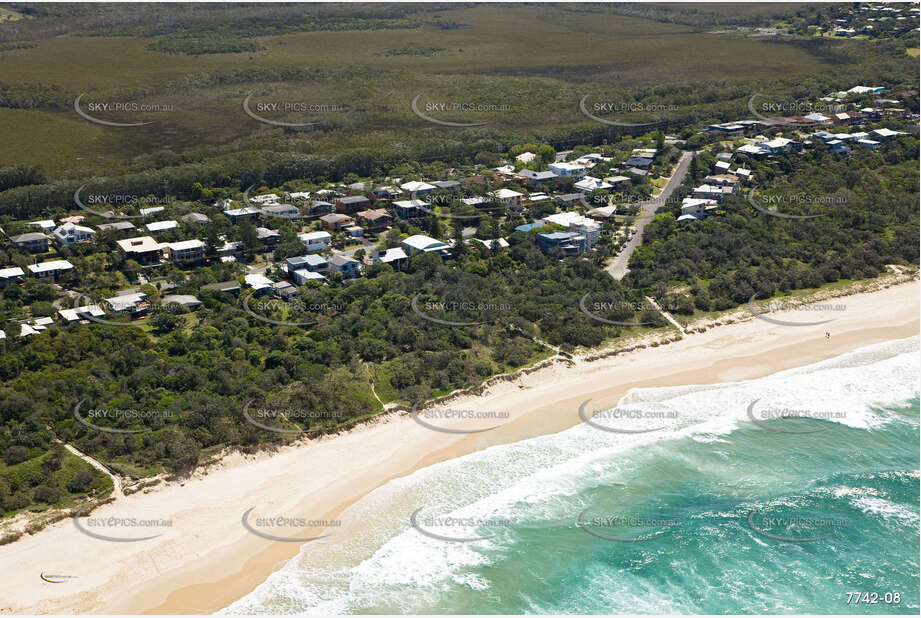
<point x="205" y="559"/>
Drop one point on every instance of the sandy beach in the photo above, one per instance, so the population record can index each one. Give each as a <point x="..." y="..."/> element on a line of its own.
<point x="205" y="558"/>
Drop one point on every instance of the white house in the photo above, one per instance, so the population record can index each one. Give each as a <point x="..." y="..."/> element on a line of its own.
<point x="697" y="207"/>
<point x="423" y="244"/>
<point x="184" y="250"/>
<point x="158" y="227"/>
<point x="259" y="282"/>
<point x="885" y="134"/>
<point x="315" y="241"/>
<point x="50" y="269"/>
<point x="712" y="192"/>
<point x="574" y="222"/>
<point x="590" y="183"/>
<point x="396" y="257"/>
<point x="569" y="170"/>
<point x="417" y="187"/>
<point x="46" y="225"/>
<point x="507" y="197"/>
<point x="302" y="276"/>
<point x="268" y="198"/>
<point x="69" y="234"/>
<point x="526" y="157"/>
<point x="11" y="275"/>
<point x="78" y="313"/>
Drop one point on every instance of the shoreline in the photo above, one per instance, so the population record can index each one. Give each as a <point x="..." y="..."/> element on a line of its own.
<point x="206" y="560"/>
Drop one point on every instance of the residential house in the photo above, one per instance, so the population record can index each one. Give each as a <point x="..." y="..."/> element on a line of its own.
<point x="284" y="290"/>
<point x="81" y="313"/>
<point x="230" y="250"/>
<point x="526" y="157"/>
<point x="420" y="243"/>
<point x="33" y="242"/>
<point x="260" y="283"/>
<point x="336" y="221"/>
<point x="589" y="184"/>
<point x="298" y="196"/>
<point x="315" y="241"/>
<point x="71" y="233"/>
<point x="561" y="244"/>
<point x="321" y="208"/>
<point x="535" y="177"/>
<point x="268" y="238"/>
<point x="187" y="301"/>
<point x="387" y="192"/>
<point x="722" y="180"/>
<point x="143" y="249"/>
<point x="447" y="185"/>
<point x="779" y="145"/>
<point x="491" y="245"/>
<point x="75" y="219"/>
<point x="396" y="257"/>
<point x="10" y="275"/>
<point x="418" y="188"/>
<point x="301" y="277"/>
<point x="697" y="207"/>
<point x="239" y="214"/>
<point x="477" y="179"/>
<point x="286" y="211"/>
<point x="184" y="251"/>
<point x="884" y="135"/>
<point x="588" y="229"/>
<point x="355" y="231"/>
<point x="144" y="212"/>
<point x="45" y="225"/>
<point x="409" y="209"/>
<point x="712" y="192"/>
<point x="313" y="263"/>
<point x="507" y="197"/>
<point x="375" y="220"/>
<point x="616" y="181"/>
<point x="159" y="227"/>
<point x="348" y="267"/>
<point x="727" y="129"/>
<point x="134" y="304"/>
<point x="568" y="170"/>
<point x="196" y="218"/>
<point x="117" y="227"/>
<point x="352" y="204"/>
<point x="642" y="163"/>
<point x="264" y="199"/>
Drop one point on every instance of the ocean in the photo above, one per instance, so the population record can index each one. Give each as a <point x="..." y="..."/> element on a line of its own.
<point x="794" y="493"/>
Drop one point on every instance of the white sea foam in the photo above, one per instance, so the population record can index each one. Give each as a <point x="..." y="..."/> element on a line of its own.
<point x="529" y="482"/>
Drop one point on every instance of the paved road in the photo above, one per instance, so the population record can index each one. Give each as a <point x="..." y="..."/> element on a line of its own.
<point x="618" y="267"/>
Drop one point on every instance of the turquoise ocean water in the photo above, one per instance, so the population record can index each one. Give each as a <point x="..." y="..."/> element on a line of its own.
<point x="712" y="514"/>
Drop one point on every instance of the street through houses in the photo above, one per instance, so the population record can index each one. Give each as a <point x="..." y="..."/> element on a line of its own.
<point x="618" y="267"/>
